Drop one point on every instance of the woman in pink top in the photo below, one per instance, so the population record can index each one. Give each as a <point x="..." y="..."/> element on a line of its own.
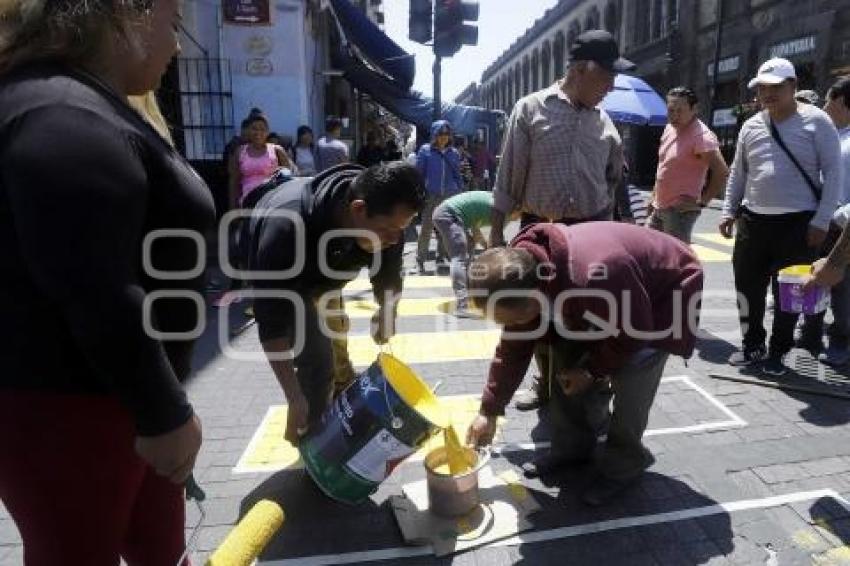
<point x="688" y="151"/>
<point x="255" y="161"/>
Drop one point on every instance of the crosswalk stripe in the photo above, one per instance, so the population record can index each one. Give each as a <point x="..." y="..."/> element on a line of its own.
<point x="431" y="306"/>
<point x="428" y="347"/>
<point x="706" y="255"/>
<point x="410" y="282"/>
<point x="715" y="238"/>
<point x="268" y="451"/>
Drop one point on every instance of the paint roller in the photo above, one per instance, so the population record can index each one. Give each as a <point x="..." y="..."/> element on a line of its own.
<point x="250" y="536"/>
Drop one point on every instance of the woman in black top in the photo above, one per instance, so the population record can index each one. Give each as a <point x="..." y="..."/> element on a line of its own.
<point x="96" y="433"/>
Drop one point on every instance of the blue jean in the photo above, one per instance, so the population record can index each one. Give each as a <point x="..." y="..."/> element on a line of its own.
<point x="678" y="223"/>
<point x="839" y="331"/>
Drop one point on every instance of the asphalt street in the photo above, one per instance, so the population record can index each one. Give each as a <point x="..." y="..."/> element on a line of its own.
<point x="745" y="474"/>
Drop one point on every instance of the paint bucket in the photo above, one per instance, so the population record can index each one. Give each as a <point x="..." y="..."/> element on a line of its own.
<point x="453" y="495"/>
<point x="793" y="299"/>
<point x="371" y="427"/>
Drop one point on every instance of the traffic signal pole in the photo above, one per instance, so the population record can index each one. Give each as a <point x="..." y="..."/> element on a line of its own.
<point x="437" y="102"/>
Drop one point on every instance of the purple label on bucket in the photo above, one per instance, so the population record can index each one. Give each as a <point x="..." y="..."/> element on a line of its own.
<point x="792" y="298"/>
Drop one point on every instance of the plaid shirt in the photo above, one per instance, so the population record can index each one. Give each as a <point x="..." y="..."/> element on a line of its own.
<point x="559" y="161"/>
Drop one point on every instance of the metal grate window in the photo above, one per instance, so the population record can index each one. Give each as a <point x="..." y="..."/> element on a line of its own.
<point x="199" y="105"/>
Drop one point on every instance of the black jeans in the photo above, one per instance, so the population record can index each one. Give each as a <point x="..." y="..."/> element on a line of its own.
<point x="764" y="244"/>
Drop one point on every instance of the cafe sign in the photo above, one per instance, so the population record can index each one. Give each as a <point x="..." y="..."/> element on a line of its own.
<point x="247" y="12"/>
<point x="794" y="47"/>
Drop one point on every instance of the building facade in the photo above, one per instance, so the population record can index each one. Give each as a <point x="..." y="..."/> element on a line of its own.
<point x="673" y="42"/>
<point x="538" y="57"/>
<point x="243" y="54"/>
<point x="814" y="35"/>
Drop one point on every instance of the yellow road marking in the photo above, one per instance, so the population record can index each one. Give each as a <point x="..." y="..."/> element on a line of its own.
<point x="839" y="556"/>
<point x="431" y="306"/>
<point x="425" y="347"/>
<point x="268" y="451"/>
<point x="715" y="238"/>
<point x="410" y="282"/>
<point x="709" y="254"/>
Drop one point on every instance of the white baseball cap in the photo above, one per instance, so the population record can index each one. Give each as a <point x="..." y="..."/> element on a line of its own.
<point x="773" y="72"/>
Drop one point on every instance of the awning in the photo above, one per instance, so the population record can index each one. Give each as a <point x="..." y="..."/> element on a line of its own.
<point x="374" y="45"/>
<point x="409" y="105"/>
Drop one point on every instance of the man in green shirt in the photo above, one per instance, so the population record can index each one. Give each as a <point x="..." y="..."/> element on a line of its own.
<point x="458" y="220"/>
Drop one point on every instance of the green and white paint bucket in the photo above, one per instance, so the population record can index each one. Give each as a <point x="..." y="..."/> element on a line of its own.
<point x="371" y="427"/>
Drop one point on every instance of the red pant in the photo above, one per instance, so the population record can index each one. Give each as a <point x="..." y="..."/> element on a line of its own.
<point x="76" y="489"/>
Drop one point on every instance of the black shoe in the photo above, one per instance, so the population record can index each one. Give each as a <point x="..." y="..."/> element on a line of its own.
<point x="748" y="357"/>
<point x="603" y="490"/>
<point x="810" y="343"/>
<point x="774" y="366"/>
<point x="549" y="465"/>
<point x="528" y="401"/>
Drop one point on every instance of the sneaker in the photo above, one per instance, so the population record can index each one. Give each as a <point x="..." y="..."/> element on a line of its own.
<point x="812" y="343"/>
<point x="462" y="310"/>
<point x="747" y="357"/>
<point x="535" y="398"/>
<point x="774" y="366"/>
<point x="835" y="356"/>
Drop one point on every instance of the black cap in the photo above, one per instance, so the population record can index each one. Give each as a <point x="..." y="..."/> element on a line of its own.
<point x="600" y="47"/>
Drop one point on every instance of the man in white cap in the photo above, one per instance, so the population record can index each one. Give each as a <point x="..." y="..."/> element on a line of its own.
<point x="782" y="191"/>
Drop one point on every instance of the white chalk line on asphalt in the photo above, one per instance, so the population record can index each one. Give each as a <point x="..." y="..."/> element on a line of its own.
<point x="575" y="530"/>
<point x="734" y="421"/>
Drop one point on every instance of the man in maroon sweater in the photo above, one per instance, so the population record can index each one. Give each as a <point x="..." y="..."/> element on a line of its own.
<point x="612" y="301"/>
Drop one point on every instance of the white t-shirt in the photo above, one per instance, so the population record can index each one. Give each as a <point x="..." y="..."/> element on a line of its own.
<point x="305" y="161"/>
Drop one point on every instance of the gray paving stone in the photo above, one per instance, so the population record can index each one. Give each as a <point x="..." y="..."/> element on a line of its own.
<point x="826" y="466"/>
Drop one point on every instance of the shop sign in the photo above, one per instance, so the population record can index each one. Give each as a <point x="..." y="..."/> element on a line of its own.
<point x="247" y="12"/>
<point x="724" y="117"/>
<point x="794" y="47"/>
<point x="726" y="65"/>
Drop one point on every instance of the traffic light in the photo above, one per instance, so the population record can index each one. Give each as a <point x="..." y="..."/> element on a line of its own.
<point x="419" y="24"/>
<point x="450" y="27"/>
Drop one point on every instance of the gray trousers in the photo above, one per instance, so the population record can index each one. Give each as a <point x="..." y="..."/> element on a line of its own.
<point x="578" y="420"/>
<point x="453" y="234"/>
<point x="678" y="223"/>
<point x="427" y="226"/>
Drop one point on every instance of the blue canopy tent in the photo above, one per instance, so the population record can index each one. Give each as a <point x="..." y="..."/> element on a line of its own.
<point x="634" y="102"/>
<point x="368" y="59"/>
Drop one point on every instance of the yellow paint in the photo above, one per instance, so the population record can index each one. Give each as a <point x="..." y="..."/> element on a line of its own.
<point x="413" y="391"/>
<point x="515" y="487"/>
<point x="839" y="556"/>
<point x="425" y="347"/>
<point x="410" y="282"/>
<point x="270" y="452"/>
<point x="709" y="254"/>
<point x="454" y="452"/>
<point x="715" y="238"/>
<point x="807" y="540"/>
<point x="432" y="306"/>
<point x="793" y="272"/>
